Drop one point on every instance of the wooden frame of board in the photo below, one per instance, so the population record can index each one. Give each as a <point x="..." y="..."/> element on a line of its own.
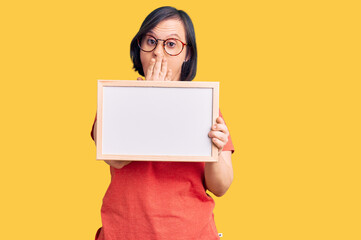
<point x="108" y="95"/>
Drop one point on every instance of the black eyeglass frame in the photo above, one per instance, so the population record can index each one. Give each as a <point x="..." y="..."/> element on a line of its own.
<point x="164" y="41"/>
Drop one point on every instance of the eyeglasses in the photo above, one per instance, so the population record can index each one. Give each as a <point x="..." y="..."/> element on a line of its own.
<point x="172" y="46"/>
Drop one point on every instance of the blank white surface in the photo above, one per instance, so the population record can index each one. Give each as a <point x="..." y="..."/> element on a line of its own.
<point x="157" y="121"/>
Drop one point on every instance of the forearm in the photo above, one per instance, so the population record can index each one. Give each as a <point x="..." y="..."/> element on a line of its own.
<point x="219" y="175"/>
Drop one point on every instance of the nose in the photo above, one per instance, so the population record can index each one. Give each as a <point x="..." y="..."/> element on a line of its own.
<point x="159" y="51"/>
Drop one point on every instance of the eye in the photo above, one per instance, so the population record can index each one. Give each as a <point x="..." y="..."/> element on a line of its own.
<point x="151" y="41"/>
<point x="171" y="43"/>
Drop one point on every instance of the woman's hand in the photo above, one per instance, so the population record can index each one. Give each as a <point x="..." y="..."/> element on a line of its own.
<point x="219" y="134"/>
<point x="219" y="175"/>
<point x="117" y="164"/>
<point x="158" y="70"/>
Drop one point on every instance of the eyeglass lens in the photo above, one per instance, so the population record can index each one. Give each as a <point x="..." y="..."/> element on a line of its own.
<point x="172" y="46"/>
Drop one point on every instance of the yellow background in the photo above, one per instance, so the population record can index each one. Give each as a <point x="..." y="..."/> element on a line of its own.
<point x="290" y="93"/>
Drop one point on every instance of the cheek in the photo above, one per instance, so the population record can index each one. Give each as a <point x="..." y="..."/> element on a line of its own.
<point x="175" y="64"/>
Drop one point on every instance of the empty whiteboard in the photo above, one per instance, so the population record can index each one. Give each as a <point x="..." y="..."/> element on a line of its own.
<point x="156" y="121"/>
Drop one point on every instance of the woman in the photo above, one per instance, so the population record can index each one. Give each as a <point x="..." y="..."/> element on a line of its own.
<point x="166" y="200"/>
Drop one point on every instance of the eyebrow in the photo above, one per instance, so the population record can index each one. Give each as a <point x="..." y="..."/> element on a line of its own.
<point x="173" y="34"/>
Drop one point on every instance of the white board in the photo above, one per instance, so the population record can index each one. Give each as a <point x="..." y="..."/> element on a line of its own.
<point x="156" y="121"/>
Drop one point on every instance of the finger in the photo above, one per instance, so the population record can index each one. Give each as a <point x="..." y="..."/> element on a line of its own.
<point x="219" y="135"/>
<point x="169" y="75"/>
<point x="220" y="127"/>
<point x="150" y="69"/>
<point x="140" y="79"/>
<point x="117" y="164"/>
<point x="219" y="144"/>
<point x="220" y="120"/>
<point x="163" y="71"/>
<point x="157" y="67"/>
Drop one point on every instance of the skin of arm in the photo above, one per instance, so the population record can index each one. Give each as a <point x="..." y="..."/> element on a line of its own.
<point x="219" y="175"/>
